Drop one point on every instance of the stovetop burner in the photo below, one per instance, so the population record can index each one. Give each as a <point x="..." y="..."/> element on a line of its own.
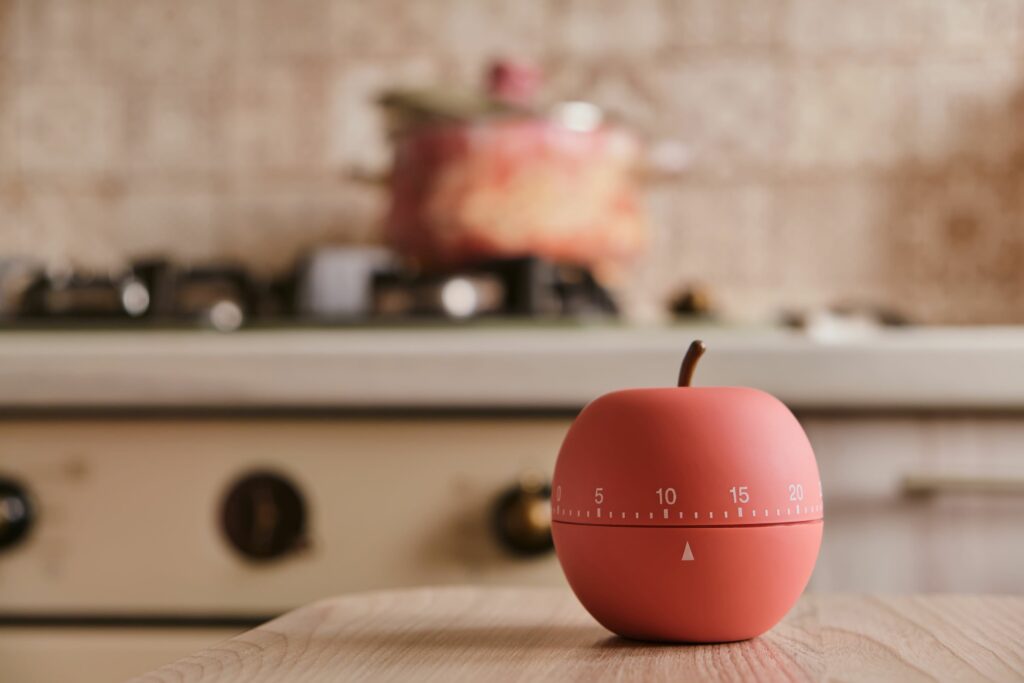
<point x="334" y="286"/>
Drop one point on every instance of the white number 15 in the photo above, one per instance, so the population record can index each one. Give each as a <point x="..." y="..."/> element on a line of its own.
<point x="740" y="494"/>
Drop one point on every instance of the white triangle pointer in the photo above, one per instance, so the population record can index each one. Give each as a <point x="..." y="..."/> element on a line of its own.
<point x="687" y="553"/>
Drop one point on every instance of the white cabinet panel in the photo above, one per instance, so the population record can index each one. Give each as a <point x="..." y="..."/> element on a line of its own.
<point x="129" y="510"/>
<point x="966" y="535"/>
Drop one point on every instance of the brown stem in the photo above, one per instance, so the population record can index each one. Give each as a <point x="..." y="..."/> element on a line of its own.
<point x="693" y="355"/>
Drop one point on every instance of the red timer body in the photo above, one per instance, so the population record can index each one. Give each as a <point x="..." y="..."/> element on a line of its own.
<point x="687" y="514"/>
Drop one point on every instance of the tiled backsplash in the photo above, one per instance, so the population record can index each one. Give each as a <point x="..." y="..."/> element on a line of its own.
<point x="842" y="150"/>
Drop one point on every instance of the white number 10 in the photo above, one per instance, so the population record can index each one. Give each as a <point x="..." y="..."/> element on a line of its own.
<point x="666" y="496"/>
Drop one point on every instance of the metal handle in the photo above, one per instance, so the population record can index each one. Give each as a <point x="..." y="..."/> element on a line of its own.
<point x="921" y="485"/>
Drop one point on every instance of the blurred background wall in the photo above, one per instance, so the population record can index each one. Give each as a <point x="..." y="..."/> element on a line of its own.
<point x="863" y="150"/>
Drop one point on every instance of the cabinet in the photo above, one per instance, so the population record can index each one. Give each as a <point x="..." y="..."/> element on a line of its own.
<point x="921" y="503"/>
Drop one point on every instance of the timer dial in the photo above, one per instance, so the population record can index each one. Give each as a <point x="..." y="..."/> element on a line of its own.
<point x="687" y="514"/>
<point x="712" y="456"/>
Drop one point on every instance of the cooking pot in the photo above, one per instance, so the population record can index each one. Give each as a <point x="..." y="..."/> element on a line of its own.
<point x="486" y="177"/>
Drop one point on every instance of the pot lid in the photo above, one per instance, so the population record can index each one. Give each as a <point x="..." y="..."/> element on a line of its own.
<point x="511" y="89"/>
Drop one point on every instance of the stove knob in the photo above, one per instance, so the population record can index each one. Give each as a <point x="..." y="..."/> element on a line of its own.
<point x="522" y="518"/>
<point x="264" y="517"/>
<point x="16" y="514"/>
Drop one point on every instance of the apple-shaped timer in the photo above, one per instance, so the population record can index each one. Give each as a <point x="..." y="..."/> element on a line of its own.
<point x="687" y="514"/>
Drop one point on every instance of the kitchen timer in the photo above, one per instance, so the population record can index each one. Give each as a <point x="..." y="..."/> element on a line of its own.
<point x="687" y="514"/>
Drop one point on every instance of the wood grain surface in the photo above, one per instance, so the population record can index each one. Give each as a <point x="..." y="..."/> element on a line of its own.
<point x="544" y="634"/>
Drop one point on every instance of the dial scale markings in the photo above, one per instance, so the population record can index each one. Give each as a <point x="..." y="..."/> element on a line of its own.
<point x="669" y="496"/>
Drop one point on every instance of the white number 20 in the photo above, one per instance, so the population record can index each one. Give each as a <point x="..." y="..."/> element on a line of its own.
<point x="796" y="492"/>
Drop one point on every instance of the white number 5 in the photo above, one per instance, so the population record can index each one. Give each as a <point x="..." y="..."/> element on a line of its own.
<point x="599" y="495"/>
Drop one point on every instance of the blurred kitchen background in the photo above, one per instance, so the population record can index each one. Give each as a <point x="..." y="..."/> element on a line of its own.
<point x="298" y="298"/>
<point x="834" y="150"/>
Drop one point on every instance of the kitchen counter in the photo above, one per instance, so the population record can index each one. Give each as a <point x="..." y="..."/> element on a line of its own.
<point x="523" y="367"/>
<point x="544" y="634"/>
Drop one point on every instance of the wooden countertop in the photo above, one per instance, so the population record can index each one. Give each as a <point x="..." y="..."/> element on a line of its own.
<point x="544" y="634"/>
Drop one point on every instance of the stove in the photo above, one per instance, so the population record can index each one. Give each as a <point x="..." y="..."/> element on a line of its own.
<point x="129" y="537"/>
<point x="127" y="541"/>
<point x="331" y="286"/>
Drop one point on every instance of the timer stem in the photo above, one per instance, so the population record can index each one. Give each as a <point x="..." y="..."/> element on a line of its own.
<point x="693" y="355"/>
